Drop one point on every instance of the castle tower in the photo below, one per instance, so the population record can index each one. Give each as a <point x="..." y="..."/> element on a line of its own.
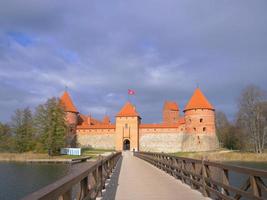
<point x="71" y="111"/>
<point x="127" y="128"/>
<point x="199" y="115"/>
<point x="170" y="114"/>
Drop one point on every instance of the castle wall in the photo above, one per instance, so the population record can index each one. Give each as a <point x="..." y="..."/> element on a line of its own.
<point x="166" y="141"/>
<point x="96" y="138"/>
<point x="151" y="139"/>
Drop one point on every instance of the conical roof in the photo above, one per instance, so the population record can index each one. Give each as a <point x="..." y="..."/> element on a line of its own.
<point x="67" y="102"/>
<point x="128" y="110"/>
<point x="171" y="105"/>
<point x="198" y="101"/>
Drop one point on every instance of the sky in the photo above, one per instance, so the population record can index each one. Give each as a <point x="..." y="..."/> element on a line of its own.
<point x="160" y="49"/>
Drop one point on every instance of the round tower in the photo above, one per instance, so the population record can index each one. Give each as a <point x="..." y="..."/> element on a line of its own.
<point x="199" y="115"/>
<point x="70" y="109"/>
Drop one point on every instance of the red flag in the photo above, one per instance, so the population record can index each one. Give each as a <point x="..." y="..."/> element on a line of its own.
<point x="131" y="92"/>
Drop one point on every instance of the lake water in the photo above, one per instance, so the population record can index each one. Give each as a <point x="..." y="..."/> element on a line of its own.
<point x="238" y="179"/>
<point x="256" y="165"/>
<point x="19" y="179"/>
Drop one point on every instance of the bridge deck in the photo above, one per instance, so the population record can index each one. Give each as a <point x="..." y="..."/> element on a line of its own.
<point x="136" y="179"/>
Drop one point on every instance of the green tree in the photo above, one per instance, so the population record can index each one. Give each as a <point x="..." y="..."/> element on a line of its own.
<point x="227" y="133"/>
<point x="22" y="127"/>
<point x="6" y="140"/>
<point x="51" y="126"/>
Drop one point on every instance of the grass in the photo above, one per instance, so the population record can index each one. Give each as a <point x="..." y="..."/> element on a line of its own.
<point x="31" y="155"/>
<point x="225" y="155"/>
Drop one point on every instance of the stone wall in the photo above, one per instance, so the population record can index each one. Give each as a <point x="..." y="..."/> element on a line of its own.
<point x="97" y="141"/>
<point x="174" y="142"/>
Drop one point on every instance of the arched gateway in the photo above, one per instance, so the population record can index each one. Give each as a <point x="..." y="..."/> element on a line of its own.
<point x="126" y="144"/>
<point x="127" y="126"/>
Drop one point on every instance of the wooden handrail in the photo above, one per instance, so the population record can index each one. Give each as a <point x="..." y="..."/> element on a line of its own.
<point x="82" y="159"/>
<point x="211" y="178"/>
<point x="90" y="179"/>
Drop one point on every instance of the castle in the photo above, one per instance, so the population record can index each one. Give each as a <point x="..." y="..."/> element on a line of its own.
<point x="195" y="131"/>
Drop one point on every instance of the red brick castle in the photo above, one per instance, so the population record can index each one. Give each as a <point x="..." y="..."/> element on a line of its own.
<point x="194" y="131"/>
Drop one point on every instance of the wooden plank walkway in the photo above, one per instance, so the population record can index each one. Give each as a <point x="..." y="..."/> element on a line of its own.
<point x="135" y="179"/>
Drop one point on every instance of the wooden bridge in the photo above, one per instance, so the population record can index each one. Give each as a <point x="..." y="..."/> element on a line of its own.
<point x="128" y="176"/>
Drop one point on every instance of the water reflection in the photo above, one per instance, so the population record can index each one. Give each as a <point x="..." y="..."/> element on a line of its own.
<point x="19" y="179"/>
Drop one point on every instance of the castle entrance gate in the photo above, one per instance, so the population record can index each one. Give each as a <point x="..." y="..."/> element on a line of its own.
<point x="126" y="144"/>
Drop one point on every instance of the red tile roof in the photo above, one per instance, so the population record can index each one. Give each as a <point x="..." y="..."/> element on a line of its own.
<point x="94" y="123"/>
<point x="128" y="110"/>
<point x="98" y="126"/>
<point x="67" y="103"/>
<point x="84" y="120"/>
<point x="198" y="101"/>
<point x="106" y="120"/>
<point x="159" y="125"/>
<point x="171" y="105"/>
<point x="181" y="120"/>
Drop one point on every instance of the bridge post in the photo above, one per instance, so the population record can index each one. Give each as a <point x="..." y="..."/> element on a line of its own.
<point x="225" y="181"/>
<point x="255" y="189"/>
<point x="67" y="195"/>
<point x="84" y="187"/>
<point x="101" y="177"/>
<point x="203" y="172"/>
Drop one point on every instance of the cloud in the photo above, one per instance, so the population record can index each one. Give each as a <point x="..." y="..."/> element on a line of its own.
<point x="100" y="49"/>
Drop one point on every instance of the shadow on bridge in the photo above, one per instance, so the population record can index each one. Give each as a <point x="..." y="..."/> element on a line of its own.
<point x="112" y="183"/>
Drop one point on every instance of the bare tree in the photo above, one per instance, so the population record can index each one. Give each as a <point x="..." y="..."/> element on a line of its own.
<point x="252" y="117"/>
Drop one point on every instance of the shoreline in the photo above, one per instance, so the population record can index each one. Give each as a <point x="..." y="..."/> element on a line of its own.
<point x="225" y="156"/>
<point x="54" y="161"/>
<point x="44" y="158"/>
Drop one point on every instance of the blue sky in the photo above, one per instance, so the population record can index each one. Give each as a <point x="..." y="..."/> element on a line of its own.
<point x="161" y="49"/>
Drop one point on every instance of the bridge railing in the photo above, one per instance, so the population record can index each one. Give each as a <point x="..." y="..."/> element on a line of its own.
<point x="213" y="179"/>
<point x="85" y="182"/>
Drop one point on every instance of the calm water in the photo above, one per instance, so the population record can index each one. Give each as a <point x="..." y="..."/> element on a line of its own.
<point x="19" y="179"/>
<point x="238" y="179"/>
<point x="256" y="165"/>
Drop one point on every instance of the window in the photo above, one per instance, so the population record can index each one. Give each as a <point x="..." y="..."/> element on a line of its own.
<point x="195" y="129"/>
<point x="204" y="129"/>
<point x="201" y="120"/>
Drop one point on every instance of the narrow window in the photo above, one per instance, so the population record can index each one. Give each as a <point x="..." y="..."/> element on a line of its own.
<point x="204" y="129"/>
<point x="201" y="120"/>
<point x="195" y="129"/>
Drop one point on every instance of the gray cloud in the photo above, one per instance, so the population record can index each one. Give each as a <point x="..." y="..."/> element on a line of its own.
<point x="99" y="49"/>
